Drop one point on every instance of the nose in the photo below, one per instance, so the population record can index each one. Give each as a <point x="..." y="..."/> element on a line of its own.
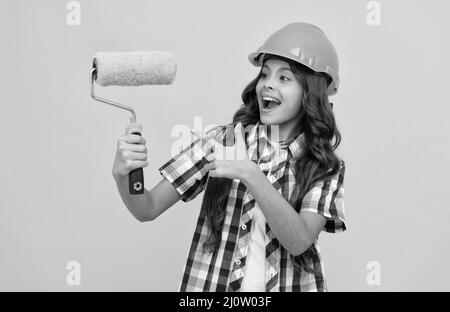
<point x="269" y="84"/>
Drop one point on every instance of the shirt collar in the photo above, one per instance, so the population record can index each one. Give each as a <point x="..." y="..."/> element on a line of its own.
<point x="265" y="133"/>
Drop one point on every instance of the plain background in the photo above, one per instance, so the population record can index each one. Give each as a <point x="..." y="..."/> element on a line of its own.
<point x="59" y="202"/>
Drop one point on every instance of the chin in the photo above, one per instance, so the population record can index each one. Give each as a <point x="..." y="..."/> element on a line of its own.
<point x="269" y="120"/>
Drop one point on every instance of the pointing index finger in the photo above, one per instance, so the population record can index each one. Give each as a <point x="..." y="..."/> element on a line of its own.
<point x="206" y="139"/>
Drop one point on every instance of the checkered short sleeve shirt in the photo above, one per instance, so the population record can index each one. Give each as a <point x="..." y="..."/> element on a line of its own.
<point x="224" y="270"/>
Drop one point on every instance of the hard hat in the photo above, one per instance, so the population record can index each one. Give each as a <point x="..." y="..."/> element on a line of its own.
<point x="306" y="44"/>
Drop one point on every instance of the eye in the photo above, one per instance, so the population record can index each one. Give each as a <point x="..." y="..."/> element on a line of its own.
<point x="285" y="78"/>
<point x="263" y="75"/>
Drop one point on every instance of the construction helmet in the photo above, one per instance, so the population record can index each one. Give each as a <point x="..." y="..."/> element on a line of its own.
<point x="306" y="44"/>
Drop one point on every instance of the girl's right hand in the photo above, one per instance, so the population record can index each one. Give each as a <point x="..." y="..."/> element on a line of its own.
<point x="131" y="152"/>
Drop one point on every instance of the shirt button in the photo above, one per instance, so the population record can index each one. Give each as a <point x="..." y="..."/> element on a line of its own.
<point x="244" y="227"/>
<point x="238" y="262"/>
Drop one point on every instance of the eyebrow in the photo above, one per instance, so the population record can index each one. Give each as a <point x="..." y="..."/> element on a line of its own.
<point x="281" y="68"/>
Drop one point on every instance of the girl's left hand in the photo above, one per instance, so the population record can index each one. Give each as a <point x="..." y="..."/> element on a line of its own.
<point x="230" y="162"/>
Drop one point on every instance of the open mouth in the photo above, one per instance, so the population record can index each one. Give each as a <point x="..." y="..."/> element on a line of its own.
<point x="269" y="103"/>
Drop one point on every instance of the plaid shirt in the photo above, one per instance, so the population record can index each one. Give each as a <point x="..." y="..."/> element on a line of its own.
<point x="224" y="270"/>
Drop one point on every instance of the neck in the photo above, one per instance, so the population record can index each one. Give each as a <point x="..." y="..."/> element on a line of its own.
<point x="289" y="131"/>
<point x="278" y="133"/>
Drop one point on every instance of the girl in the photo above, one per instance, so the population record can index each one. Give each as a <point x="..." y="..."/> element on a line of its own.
<point x="264" y="209"/>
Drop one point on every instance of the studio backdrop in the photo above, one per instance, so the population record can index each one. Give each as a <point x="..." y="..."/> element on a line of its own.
<point x="63" y="225"/>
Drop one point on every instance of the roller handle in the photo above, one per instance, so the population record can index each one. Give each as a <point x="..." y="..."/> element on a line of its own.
<point x="136" y="179"/>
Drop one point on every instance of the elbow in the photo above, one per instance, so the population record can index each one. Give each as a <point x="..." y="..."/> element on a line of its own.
<point x="142" y="220"/>
<point x="146" y="218"/>
<point x="301" y="247"/>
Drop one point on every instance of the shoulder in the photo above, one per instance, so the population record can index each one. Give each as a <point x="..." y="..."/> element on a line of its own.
<point x="336" y="178"/>
<point x="339" y="175"/>
<point x="341" y="167"/>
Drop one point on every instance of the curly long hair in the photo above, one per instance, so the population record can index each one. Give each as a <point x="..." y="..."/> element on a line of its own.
<point x="317" y="162"/>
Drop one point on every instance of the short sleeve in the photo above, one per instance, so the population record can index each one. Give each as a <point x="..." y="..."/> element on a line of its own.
<point x="327" y="199"/>
<point x="185" y="171"/>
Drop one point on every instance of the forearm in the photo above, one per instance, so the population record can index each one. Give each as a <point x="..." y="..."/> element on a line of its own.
<point x="138" y="205"/>
<point x="285" y="223"/>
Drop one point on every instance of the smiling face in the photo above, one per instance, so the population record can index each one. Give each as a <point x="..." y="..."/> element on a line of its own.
<point x="279" y="96"/>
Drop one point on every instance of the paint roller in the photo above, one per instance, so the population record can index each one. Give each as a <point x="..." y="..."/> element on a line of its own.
<point x="132" y="69"/>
